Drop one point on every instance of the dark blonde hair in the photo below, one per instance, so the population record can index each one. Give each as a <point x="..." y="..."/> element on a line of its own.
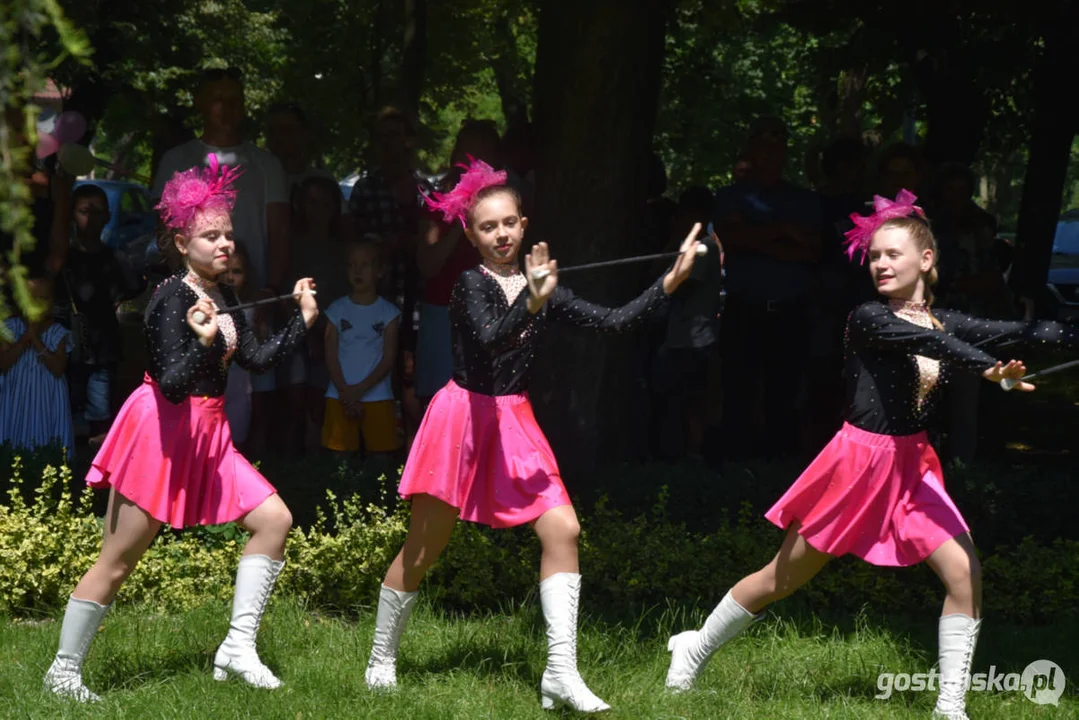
<point x="491" y="191"/>
<point x="369" y="240"/>
<point x="919" y="231"/>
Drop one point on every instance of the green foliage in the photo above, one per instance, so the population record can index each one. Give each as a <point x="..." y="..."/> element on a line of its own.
<point x="24" y="66"/>
<point x="46" y="544"/>
<point x="724" y="64"/>
<point x="632" y="561"/>
<point x="340" y="561"/>
<point x="339" y="60"/>
<point x="149" y="54"/>
<point x="724" y="67"/>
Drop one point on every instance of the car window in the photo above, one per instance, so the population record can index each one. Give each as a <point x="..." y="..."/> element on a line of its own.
<point x="129" y="202"/>
<point x="143" y="198"/>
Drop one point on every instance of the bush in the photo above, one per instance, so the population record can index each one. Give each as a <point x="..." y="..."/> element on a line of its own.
<point x="632" y="560"/>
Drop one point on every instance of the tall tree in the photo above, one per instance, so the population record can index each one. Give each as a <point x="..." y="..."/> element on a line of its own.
<point x="1053" y="131"/>
<point x="414" y="54"/>
<point x="597" y="89"/>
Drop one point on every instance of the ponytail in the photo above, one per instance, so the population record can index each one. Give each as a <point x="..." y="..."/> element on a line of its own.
<point x="931" y="280"/>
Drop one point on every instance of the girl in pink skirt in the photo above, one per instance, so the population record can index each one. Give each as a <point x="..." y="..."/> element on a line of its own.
<point x="877" y="490"/>
<point x="479" y="454"/>
<point x="169" y="458"/>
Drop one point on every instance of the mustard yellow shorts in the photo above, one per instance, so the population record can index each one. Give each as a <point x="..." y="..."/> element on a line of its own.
<point x="377" y="427"/>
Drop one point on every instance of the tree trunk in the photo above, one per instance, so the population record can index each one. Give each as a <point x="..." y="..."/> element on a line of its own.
<point x="1053" y="129"/>
<point x="597" y="90"/>
<point x="377" y="49"/>
<point x="414" y="55"/>
<point x="956" y="108"/>
<point x="506" y="64"/>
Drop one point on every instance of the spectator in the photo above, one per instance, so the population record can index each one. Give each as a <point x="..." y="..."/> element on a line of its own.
<point x="840" y="287"/>
<point x="35" y="410"/>
<point x="443" y="254"/>
<point x="899" y="167"/>
<point x="361" y="341"/>
<point x="95" y="282"/>
<point x="261" y="216"/>
<point x="771" y="235"/>
<point x="684" y="359"/>
<point x="288" y="138"/>
<point x="320" y="245"/>
<point x="970" y="281"/>
<point x="387" y="201"/>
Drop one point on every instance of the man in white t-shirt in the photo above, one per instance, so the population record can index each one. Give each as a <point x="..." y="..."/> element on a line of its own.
<point x="260" y="219"/>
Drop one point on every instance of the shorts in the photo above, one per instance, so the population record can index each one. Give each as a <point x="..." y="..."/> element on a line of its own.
<point x="378" y="427"/>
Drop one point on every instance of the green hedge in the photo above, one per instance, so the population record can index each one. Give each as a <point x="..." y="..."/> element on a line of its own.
<point x="647" y="556"/>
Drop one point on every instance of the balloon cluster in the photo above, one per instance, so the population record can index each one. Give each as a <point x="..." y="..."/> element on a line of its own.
<point x="59" y="134"/>
<point x="55" y="131"/>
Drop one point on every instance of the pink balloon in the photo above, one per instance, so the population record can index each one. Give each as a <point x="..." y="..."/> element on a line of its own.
<point x="70" y="127"/>
<point x="46" y="145"/>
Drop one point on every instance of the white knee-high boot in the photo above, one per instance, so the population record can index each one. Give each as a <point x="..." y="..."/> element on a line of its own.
<point x="562" y="683"/>
<point x="81" y="621"/>
<point x="394" y="609"/>
<point x="255" y="580"/>
<point x="691" y="650"/>
<point x="957" y="636"/>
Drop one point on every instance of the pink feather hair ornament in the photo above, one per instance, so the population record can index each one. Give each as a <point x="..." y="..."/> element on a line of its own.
<point x="861" y="235"/>
<point x="198" y="190"/>
<point x="454" y="204"/>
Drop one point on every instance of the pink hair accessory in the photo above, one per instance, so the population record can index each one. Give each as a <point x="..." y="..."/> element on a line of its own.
<point x="859" y="237"/>
<point x="198" y="190"/>
<point x="454" y="204"/>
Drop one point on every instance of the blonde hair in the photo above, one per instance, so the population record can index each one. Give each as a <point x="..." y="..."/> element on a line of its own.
<point x="919" y="231"/>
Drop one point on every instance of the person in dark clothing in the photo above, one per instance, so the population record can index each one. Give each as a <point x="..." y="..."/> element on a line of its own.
<point x="94" y="284"/>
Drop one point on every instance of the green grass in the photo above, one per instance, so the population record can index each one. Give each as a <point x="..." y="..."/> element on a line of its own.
<point x="489" y="667"/>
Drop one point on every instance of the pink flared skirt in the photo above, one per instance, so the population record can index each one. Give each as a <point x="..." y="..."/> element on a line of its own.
<point x="486" y="456"/>
<point x="177" y="462"/>
<point x="879" y="497"/>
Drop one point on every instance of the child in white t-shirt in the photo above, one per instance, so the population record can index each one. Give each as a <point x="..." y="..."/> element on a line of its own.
<point x="361" y="345"/>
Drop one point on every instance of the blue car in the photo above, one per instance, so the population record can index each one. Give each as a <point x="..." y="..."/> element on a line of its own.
<point x="133" y="224"/>
<point x="1063" y="280"/>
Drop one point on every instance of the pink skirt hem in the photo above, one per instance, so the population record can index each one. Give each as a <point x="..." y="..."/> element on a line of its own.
<point x="486" y="456"/>
<point x="878" y="497"/>
<point x="177" y="461"/>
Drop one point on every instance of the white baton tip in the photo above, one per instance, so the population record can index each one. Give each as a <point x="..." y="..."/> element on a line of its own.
<point x="1008" y="383"/>
<point x="540" y="273"/>
<point x="702" y="249"/>
<point x="199" y="316"/>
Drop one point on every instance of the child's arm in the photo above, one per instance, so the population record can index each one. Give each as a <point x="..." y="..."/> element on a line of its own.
<point x="258" y="357"/>
<point x="389" y="357"/>
<point x="54" y="360"/>
<point x="333" y="362"/>
<point x="11" y="352"/>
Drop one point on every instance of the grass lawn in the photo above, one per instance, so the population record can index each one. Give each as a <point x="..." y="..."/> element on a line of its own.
<point x="489" y="667"/>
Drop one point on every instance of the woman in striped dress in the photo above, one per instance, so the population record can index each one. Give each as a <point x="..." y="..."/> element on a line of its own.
<point x="34" y="407"/>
